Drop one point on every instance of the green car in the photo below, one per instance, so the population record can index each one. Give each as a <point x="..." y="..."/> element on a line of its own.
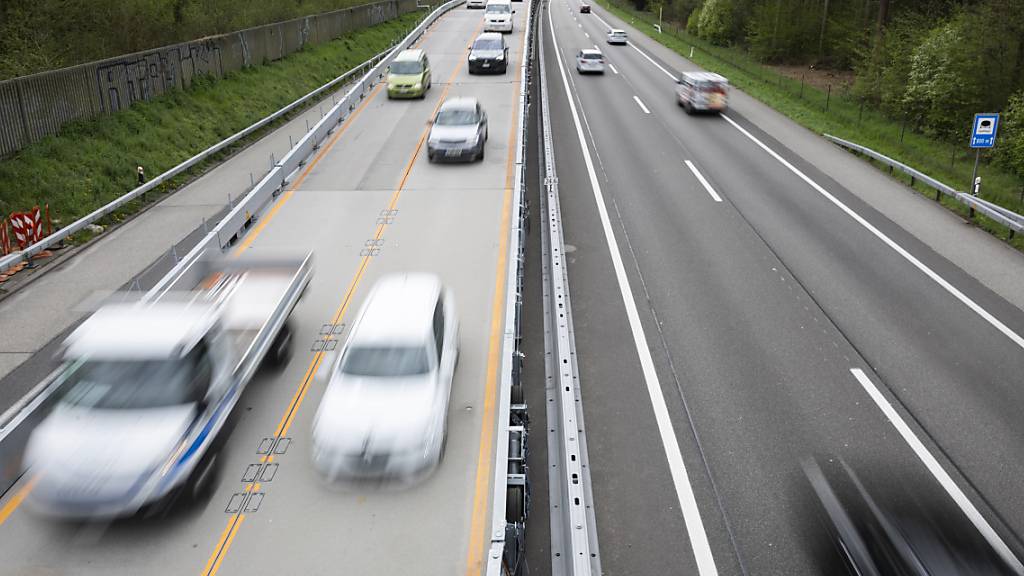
<point x="409" y="75"/>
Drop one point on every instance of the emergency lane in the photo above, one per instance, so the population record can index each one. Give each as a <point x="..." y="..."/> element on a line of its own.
<point x="371" y="204"/>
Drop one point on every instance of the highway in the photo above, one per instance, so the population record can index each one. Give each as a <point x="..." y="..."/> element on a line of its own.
<point x="368" y="204"/>
<point x="752" y="313"/>
<point x="736" y="311"/>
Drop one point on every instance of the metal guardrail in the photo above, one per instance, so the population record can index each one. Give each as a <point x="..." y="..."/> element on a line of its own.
<point x="14" y="258"/>
<point x="574" y="547"/>
<point x="17" y="423"/>
<point x="510" y="499"/>
<point x="1008" y="218"/>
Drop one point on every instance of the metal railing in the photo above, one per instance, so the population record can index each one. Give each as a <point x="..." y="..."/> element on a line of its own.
<point x="510" y="499"/>
<point x="14" y="258"/>
<point x="1008" y="218"/>
<point x="17" y="423"/>
<point x="574" y="546"/>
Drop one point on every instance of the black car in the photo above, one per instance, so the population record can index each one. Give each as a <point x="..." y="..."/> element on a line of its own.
<point x="584" y="8"/>
<point x="489" y="53"/>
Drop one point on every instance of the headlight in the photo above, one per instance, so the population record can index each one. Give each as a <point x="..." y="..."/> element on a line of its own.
<point x="472" y="56"/>
<point x="500" y="57"/>
<point x="417" y="86"/>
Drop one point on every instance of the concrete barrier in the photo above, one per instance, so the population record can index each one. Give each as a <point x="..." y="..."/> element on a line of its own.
<point x="32" y="107"/>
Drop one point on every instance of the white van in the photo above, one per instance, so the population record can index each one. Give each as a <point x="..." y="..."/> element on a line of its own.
<point x="498" y="16"/>
<point x="702" y="92"/>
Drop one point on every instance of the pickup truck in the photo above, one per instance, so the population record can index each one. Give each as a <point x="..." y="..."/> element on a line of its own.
<point x="147" y="388"/>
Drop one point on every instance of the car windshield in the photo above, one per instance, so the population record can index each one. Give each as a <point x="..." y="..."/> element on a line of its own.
<point x="379" y="361"/>
<point x="130" y="385"/>
<point x="498" y="9"/>
<point x="487" y="44"/>
<point x="407" y="67"/>
<point x="455" y="117"/>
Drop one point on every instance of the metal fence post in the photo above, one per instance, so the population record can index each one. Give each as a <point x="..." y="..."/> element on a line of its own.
<point x="828" y="97"/>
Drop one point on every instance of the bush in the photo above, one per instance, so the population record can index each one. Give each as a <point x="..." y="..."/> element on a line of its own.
<point x="1009" y="149"/>
<point x="717" y="22"/>
<point x="693" y="22"/>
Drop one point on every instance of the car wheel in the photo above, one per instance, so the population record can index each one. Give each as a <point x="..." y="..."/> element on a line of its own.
<point x="430" y="157"/>
<point x="480" y="155"/>
<point x="204" y="478"/>
<point x="281" y="350"/>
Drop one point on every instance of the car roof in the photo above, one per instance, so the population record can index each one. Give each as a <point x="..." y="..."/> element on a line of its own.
<point x="499" y="1"/>
<point x="399" y="309"/>
<point x="405" y="55"/>
<point x="133" y="330"/>
<point x="616" y="31"/>
<point x="459" y="103"/>
<point x="589" y="51"/>
<point x="706" y="76"/>
<point x="491" y="36"/>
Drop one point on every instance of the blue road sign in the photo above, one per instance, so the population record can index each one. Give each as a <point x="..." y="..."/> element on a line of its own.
<point x="983" y="135"/>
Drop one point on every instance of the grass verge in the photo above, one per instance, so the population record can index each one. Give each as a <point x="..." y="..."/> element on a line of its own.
<point x="92" y="162"/>
<point x="836" y="112"/>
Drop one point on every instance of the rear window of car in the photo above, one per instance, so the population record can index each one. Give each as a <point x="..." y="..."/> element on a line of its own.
<point x="487" y="44"/>
<point x="406" y="67"/>
<point x="386" y="362"/>
<point x="591" y="56"/>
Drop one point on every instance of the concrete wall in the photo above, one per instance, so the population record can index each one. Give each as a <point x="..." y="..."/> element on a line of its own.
<point x="35" y="106"/>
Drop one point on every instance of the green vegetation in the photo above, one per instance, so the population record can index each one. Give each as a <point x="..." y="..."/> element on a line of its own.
<point x="930" y="133"/>
<point x="37" y="35"/>
<point x="92" y="162"/>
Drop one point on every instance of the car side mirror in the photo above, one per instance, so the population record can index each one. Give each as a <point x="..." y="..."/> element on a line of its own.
<point x="513" y="11"/>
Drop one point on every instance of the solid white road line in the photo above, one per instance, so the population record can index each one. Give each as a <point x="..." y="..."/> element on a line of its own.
<point x="956" y="293"/>
<point x="612" y="66"/>
<point x="985" y="314"/>
<point x="641" y="105"/>
<point x="651" y="60"/>
<point x="714" y="195"/>
<point x="587" y="34"/>
<point x="684" y="491"/>
<point x="938" y="472"/>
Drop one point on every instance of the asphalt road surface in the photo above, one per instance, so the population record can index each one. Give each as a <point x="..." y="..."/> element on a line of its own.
<point x="368" y="204"/>
<point x="783" y="319"/>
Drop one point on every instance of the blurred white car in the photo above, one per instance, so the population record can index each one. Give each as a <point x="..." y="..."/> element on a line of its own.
<point x="616" y="36"/>
<point x="589" y="60"/>
<point x="458" y="132"/>
<point x="384" y="413"/>
<point x="476" y="3"/>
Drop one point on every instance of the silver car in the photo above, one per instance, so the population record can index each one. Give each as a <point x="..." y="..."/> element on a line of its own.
<point x="384" y="413"/>
<point x="458" y="132"/>
<point x="589" y="60"/>
<point x="616" y="36"/>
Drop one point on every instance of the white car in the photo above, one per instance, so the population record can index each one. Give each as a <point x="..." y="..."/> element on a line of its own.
<point x="589" y="60"/>
<point x="384" y="413"/>
<point x="458" y="132"/>
<point x="616" y="36"/>
<point x="498" y="16"/>
<point x="476" y="3"/>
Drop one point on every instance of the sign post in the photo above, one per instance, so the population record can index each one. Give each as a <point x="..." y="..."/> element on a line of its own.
<point x="983" y="135"/>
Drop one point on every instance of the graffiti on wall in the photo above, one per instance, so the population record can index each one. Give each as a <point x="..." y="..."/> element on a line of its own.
<point x="129" y="80"/>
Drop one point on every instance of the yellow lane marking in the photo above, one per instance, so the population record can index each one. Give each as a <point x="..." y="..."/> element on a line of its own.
<point x="16" y="500"/>
<point x="213" y="563"/>
<point x="477" y="539"/>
